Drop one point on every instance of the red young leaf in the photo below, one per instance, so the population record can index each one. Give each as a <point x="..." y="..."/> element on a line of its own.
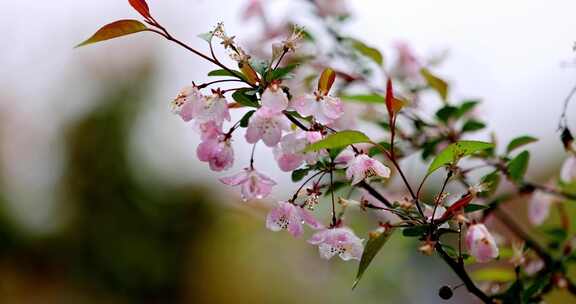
<point x="249" y="73"/>
<point x="114" y="30"/>
<point x="326" y="81"/>
<point x="457" y="206"/>
<point x="142" y="7"/>
<point x="390" y="98"/>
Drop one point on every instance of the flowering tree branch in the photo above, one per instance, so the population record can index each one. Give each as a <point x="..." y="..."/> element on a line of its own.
<point x="307" y="113"/>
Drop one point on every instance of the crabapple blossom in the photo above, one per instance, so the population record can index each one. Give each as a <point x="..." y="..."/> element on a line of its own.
<point x="266" y="125"/>
<point x="325" y="109"/>
<point x="275" y="99"/>
<point x="211" y="108"/>
<point x="253" y="9"/>
<point x="288" y="152"/>
<point x="568" y="171"/>
<point x="217" y="152"/>
<point x="339" y="241"/>
<point x="209" y="130"/>
<point x="335" y="8"/>
<point x="287" y="216"/>
<point x="363" y="166"/>
<point x="343" y="160"/>
<point x="183" y="104"/>
<point x="253" y="184"/>
<point x="480" y="243"/>
<point x="407" y="65"/>
<point x="539" y="207"/>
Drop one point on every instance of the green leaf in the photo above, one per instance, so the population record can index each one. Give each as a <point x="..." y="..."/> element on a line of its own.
<point x="446" y="112"/>
<point x="414" y="231"/>
<point x="281" y="73"/>
<point x="259" y="65"/>
<point x="244" y="98"/>
<point x="557" y="234"/>
<point x="371" y="98"/>
<point x="493" y="181"/>
<point x="223" y="72"/>
<point x="367" y="51"/>
<point x="206" y="36"/>
<point x="518" y="165"/>
<point x="539" y="283"/>
<point x="466" y="107"/>
<point x="375" y="243"/>
<point x="299" y="174"/>
<point x="497" y="274"/>
<point x="337" y="185"/>
<point x="519" y="142"/>
<point x="246" y="118"/>
<point x="473" y="125"/>
<point x="339" y="139"/>
<point x="474" y="207"/>
<point x="436" y="83"/>
<point x="114" y="30"/>
<point x="455" y="151"/>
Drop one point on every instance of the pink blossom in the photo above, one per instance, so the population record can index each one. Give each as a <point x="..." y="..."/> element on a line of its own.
<point x="290" y="217"/>
<point x="568" y="172"/>
<point x="212" y="108"/>
<point x="407" y="65"/>
<point x="351" y="112"/>
<point x="210" y="130"/>
<point x="324" y="109"/>
<point x="217" y="152"/>
<point x="183" y="104"/>
<point x="274" y="99"/>
<point x="289" y="153"/>
<point x="481" y="243"/>
<point x="345" y="158"/>
<point x="267" y="125"/>
<point x="363" y="166"/>
<point x="334" y="8"/>
<point x="253" y="9"/>
<point x="539" y="207"/>
<point x="338" y="241"/>
<point x="253" y="184"/>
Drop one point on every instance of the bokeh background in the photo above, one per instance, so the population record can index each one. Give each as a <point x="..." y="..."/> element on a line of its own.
<point x="103" y="201"/>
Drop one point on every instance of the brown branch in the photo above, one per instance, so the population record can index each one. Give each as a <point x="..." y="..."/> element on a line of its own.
<point x="458" y="268"/>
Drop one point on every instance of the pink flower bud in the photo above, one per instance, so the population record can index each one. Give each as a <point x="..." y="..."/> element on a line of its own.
<point x="481" y="243"/>
<point x="539" y="207"/>
<point x="217" y="152"/>
<point x="568" y="172"/>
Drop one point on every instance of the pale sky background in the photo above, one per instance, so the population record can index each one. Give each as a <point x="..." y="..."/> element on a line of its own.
<point x="509" y="53"/>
